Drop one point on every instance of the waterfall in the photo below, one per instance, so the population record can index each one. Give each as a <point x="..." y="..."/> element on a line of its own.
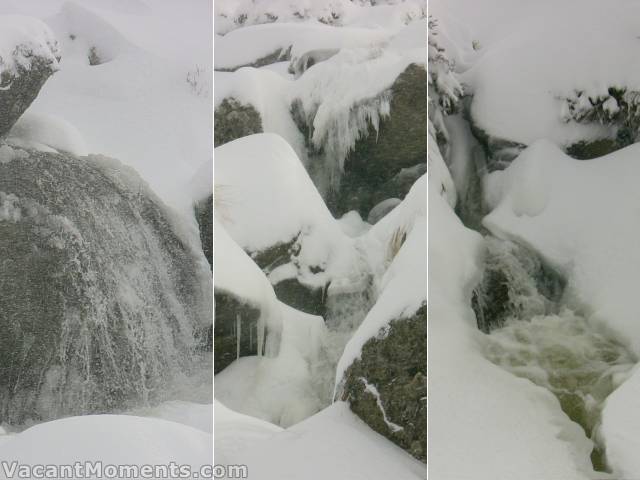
<point x="527" y="326"/>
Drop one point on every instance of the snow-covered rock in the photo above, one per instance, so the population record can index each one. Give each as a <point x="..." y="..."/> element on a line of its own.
<point x="97" y="269"/>
<point x="29" y="55"/>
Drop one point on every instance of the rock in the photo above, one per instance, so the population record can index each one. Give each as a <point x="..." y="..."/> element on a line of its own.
<point x="289" y="289"/>
<point x="204" y="216"/>
<point x="232" y="312"/>
<point x="233" y="120"/>
<point x="104" y="289"/>
<point x="585" y="150"/>
<point x="387" y="386"/>
<point x="381" y="209"/>
<point x="401" y="142"/>
<point x="24" y="66"/>
<point x="304" y="62"/>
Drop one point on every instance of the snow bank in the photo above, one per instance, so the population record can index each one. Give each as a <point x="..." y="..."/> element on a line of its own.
<point x="529" y="58"/>
<point x="331" y="444"/>
<point x="246" y="45"/>
<point x="231" y="14"/>
<point x="111" y="439"/>
<point x="276" y="203"/>
<point x="152" y="82"/>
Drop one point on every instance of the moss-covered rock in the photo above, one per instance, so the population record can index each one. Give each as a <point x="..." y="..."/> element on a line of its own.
<point x="236" y="330"/>
<point x="387" y="386"/>
<point x="401" y="142"/>
<point x="585" y="150"/>
<point x="290" y="290"/>
<point x="233" y="120"/>
<point x="101" y="293"/>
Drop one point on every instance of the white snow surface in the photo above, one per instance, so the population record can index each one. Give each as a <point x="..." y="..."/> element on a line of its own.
<point x="152" y="84"/>
<point x="531" y="55"/>
<point x="334" y="443"/>
<point x="111" y="439"/>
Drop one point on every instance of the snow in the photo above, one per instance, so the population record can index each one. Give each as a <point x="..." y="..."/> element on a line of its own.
<point x="621" y="428"/>
<point x="580" y="216"/>
<point x="402" y="286"/>
<point x="331" y="444"/>
<point x="22" y="39"/>
<point x="47" y="133"/>
<point x="246" y="45"/>
<point x="158" y="123"/>
<point x="110" y="439"/>
<point x="532" y="57"/>
<point x="277" y="203"/>
<point x="279" y="388"/>
<point x="475" y="398"/>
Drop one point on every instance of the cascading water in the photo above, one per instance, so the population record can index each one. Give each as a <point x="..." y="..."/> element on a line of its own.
<point x="528" y="329"/>
<point x="102" y="296"/>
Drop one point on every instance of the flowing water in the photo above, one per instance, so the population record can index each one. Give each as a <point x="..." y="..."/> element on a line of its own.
<point x="529" y="330"/>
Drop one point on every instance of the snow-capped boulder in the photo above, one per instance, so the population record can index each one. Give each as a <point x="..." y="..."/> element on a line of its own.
<point x="273" y="211"/>
<point x="108" y="289"/>
<point x="233" y="120"/>
<point x="400" y="142"/>
<point x="29" y="55"/>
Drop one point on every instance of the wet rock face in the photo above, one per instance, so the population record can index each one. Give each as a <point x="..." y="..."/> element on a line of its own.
<point x="19" y="87"/>
<point x="233" y="120"/>
<point x="236" y="330"/>
<point x="101" y="295"/>
<point x="400" y="143"/>
<point x="515" y="284"/>
<point x="204" y="217"/>
<point x="387" y="386"/>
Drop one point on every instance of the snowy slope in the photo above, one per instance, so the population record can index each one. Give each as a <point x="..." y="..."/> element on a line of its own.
<point x="530" y="56"/>
<point x="158" y="122"/>
<point x="333" y="444"/>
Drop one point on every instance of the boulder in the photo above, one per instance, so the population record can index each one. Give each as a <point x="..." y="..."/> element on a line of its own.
<point x="236" y="329"/>
<point x="27" y="59"/>
<point x="387" y="386"/>
<point x="204" y="215"/>
<point x="301" y="64"/>
<point x="233" y="120"/>
<point x="400" y="143"/>
<point x="103" y="291"/>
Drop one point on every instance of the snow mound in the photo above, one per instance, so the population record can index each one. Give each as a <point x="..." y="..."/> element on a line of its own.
<point x="111" y="439"/>
<point x="47" y="133"/>
<point x="527" y="60"/>
<point x="356" y="451"/>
